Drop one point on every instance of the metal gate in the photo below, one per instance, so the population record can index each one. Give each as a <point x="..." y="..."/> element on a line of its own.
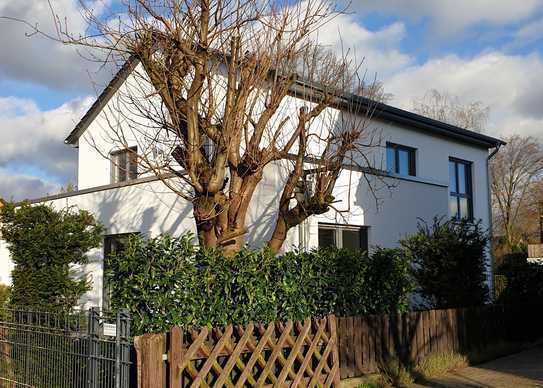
<point x="83" y="349"/>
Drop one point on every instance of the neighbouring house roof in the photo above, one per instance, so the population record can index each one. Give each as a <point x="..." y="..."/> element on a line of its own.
<point x="378" y="110"/>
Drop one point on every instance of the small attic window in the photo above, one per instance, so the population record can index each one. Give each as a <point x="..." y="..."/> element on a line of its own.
<point x="124" y="165"/>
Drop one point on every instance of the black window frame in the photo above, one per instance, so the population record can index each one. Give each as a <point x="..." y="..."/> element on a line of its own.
<point x="127" y="172"/>
<point x="411" y="156"/>
<point x="468" y="168"/>
<point x="339" y="228"/>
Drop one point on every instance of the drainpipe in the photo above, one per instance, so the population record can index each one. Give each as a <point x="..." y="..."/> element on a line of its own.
<point x="490" y="226"/>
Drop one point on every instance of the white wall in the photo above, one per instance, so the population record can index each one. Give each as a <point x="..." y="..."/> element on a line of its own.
<point x="391" y="209"/>
<point x="6" y="265"/>
<point x="151" y="208"/>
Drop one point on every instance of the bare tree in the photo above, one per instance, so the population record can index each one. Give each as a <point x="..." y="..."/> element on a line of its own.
<point x="210" y="104"/>
<point x="450" y="109"/>
<point x="514" y="172"/>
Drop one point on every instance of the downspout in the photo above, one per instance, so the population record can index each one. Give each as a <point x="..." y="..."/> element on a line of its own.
<point x="490" y="223"/>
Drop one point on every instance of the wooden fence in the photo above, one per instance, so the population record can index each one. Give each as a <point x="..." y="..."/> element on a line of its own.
<point x="290" y="354"/>
<point x="364" y="342"/>
<point x="535" y="251"/>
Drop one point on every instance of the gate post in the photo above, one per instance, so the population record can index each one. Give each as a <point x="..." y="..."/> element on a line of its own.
<point x="93" y="332"/>
<point x="122" y="349"/>
<point x="151" y="371"/>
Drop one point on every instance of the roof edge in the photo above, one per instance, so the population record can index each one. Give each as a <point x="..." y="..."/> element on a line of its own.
<point x="378" y="109"/>
<point x="102" y="100"/>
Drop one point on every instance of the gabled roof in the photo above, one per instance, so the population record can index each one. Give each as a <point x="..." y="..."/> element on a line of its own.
<point x="102" y="100"/>
<point x="379" y="110"/>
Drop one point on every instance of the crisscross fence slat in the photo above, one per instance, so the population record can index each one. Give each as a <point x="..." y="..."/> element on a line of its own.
<point x="290" y="354"/>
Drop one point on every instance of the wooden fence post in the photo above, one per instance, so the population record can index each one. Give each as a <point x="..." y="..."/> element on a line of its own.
<point x="150" y="365"/>
<point x="175" y="355"/>
<point x="335" y="354"/>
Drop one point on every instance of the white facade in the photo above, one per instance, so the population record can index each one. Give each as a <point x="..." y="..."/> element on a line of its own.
<point x="146" y="205"/>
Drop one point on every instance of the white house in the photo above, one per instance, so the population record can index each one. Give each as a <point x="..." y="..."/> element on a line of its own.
<point x="427" y="169"/>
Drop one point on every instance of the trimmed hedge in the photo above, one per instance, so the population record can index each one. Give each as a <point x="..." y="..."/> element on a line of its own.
<point x="168" y="281"/>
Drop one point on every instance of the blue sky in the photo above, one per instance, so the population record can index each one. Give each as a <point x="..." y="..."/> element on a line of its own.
<point x="479" y="50"/>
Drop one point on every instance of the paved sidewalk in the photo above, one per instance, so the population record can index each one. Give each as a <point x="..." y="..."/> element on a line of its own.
<point x="519" y="370"/>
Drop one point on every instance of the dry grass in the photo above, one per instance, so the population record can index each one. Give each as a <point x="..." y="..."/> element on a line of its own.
<point x="437" y="364"/>
<point x="394" y="374"/>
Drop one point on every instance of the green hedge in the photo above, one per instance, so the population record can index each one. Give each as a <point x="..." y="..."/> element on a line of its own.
<point x="169" y="281"/>
<point x="524" y="283"/>
<point x="46" y="246"/>
<point x="449" y="263"/>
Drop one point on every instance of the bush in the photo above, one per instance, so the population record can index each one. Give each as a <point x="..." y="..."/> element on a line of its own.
<point x="168" y="281"/>
<point x="5" y="292"/>
<point x="45" y="244"/>
<point x="524" y="283"/>
<point x="449" y="263"/>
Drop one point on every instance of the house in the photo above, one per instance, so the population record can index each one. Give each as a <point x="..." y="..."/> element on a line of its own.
<point x="423" y="168"/>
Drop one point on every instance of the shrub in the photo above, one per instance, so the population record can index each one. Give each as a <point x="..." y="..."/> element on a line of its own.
<point x="524" y="283"/>
<point x="449" y="263"/>
<point x="168" y="281"/>
<point x="5" y="291"/>
<point x="437" y="364"/>
<point x="45" y="244"/>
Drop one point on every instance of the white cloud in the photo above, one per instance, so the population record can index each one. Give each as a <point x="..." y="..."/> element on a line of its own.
<point x="379" y="49"/>
<point x="448" y="17"/>
<point x="37" y="58"/>
<point x="18" y="187"/>
<point x="509" y="84"/>
<point x="35" y="139"/>
<point x="529" y="33"/>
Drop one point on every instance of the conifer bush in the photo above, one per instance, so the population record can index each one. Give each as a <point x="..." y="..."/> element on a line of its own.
<point x="45" y="244"/>
<point x="449" y="263"/>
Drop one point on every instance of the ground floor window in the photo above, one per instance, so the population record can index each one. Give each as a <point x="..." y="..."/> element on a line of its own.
<point x="343" y="236"/>
<point x="113" y="243"/>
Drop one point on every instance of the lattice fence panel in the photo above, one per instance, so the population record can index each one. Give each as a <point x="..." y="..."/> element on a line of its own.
<point x="290" y="354"/>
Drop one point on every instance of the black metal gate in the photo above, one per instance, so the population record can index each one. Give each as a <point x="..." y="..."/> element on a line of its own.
<point x="83" y="349"/>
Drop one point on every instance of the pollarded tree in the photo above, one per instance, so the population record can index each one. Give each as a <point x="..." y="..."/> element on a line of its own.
<point x="222" y="89"/>
<point x="45" y="244"/>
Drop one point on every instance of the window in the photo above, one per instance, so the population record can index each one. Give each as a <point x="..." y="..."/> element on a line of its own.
<point x="113" y="243"/>
<point x="460" y="189"/>
<point x="124" y="165"/>
<point x="401" y="160"/>
<point x="343" y="236"/>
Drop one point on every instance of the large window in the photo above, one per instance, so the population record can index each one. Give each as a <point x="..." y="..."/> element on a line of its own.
<point x="460" y="189"/>
<point x="124" y="165"/>
<point x="401" y="160"/>
<point x="113" y="244"/>
<point x="343" y="236"/>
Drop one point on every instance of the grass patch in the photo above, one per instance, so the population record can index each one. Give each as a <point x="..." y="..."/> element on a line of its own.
<point x="370" y="385"/>
<point x="394" y="373"/>
<point x="437" y="364"/>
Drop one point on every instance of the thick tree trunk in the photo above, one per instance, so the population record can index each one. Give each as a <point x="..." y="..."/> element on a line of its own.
<point x="207" y="236"/>
<point x="220" y="219"/>
<point x="279" y="234"/>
